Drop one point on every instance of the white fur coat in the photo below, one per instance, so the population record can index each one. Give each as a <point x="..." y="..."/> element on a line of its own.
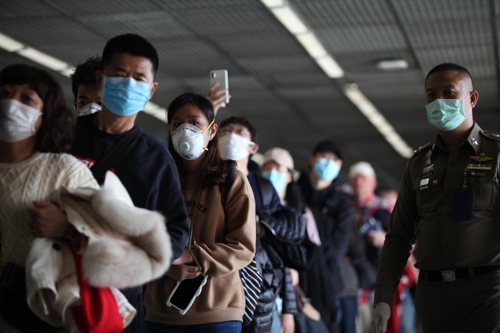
<point x="127" y="247"/>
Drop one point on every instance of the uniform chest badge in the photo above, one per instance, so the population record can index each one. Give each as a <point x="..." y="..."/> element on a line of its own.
<point x="482" y="158"/>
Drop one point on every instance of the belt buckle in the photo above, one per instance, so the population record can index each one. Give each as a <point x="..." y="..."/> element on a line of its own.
<point x="448" y="276"/>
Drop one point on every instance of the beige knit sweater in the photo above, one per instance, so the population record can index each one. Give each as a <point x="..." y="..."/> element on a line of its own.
<point x="31" y="180"/>
<point x="21" y="184"/>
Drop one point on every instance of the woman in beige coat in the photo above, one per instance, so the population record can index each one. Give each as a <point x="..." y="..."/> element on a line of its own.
<point x="222" y="228"/>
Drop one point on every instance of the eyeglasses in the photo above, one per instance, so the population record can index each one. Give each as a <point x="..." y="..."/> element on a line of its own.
<point x="240" y="131"/>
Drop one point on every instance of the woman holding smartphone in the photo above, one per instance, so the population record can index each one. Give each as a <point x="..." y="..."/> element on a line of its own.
<point x="222" y="236"/>
<point x="36" y="127"/>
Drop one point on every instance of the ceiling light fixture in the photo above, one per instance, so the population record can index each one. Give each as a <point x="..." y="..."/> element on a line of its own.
<point x="392" y="64"/>
<point x="293" y="23"/>
<point x="43" y="59"/>
<point x="9" y="44"/>
<point x="377" y="120"/>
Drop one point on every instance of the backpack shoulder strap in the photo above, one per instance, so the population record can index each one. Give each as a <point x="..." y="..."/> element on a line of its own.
<point x="266" y="190"/>
<point x="224" y="187"/>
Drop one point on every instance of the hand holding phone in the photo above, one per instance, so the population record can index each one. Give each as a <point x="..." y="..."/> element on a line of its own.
<point x="220" y="77"/>
<point x="185" y="292"/>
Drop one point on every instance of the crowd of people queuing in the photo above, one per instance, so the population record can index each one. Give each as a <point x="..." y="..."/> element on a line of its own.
<point x="315" y="241"/>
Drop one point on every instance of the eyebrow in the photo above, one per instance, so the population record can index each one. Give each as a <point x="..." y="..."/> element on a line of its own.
<point x="122" y="69"/>
<point x="451" y="85"/>
<point x="190" y="116"/>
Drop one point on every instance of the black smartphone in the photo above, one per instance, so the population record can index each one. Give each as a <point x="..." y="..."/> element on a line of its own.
<point x="185" y="292"/>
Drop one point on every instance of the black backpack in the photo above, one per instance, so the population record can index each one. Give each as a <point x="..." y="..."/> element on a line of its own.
<point x="250" y="275"/>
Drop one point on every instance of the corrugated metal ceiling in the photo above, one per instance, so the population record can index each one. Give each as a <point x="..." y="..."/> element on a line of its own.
<point x="273" y="80"/>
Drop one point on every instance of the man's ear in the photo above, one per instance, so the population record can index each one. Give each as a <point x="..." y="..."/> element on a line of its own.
<point x="98" y="79"/>
<point x="153" y="89"/>
<point x="474" y="96"/>
<point x="254" y="148"/>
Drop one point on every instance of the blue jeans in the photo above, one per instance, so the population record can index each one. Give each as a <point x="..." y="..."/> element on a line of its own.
<point x="222" y="327"/>
<point x="408" y="313"/>
<point x="347" y="311"/>
<point x="276" y="325"/>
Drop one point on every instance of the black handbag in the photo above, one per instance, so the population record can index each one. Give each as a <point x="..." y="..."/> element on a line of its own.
<point x="308" y="319"/>
<point x="13" y="304"/>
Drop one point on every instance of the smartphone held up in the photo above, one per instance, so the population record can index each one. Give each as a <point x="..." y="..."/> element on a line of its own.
<point x="220" y="76"/>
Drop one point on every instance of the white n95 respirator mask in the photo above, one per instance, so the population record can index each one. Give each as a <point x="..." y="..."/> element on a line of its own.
<point x="17" y="120"/>
<point x="188" y="141"/>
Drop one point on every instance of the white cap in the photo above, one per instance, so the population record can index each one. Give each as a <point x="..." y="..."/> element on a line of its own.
<point x="280" y="156"/>
<point x="361" y="168"/>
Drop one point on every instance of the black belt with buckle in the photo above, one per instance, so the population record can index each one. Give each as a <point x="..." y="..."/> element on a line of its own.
<point x="453" y="275"/>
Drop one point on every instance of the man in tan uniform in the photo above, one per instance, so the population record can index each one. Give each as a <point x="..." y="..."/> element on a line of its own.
<point x="449" y="202"/>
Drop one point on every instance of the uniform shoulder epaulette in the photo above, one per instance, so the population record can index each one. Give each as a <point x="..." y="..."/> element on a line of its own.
<point x="491" y="134"/>
<point x="421" y="149"/>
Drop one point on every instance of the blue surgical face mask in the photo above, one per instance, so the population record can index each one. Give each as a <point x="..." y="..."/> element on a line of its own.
<point x="277" y="178"/>
<point x="326" y="169"/>
<point x="124" y="96"/>
<point x="446" y="114"/>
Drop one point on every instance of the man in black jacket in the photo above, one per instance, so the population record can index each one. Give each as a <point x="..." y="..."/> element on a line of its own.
<point x="144" y="166"/>
<point x="333" y="214"/>
<point x="238" y="141"/>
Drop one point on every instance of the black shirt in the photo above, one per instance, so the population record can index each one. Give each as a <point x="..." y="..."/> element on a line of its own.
<point x="150" y="176"/>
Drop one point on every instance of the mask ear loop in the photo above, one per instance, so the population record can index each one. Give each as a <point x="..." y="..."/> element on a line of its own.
<point x="209" y="125"/>
<point x="463" y="101"/>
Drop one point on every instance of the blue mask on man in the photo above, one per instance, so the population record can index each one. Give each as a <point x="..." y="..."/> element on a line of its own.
<point x="124" y="96"/>
<point x="277" y="178"/>
<point x="326" y="169"/>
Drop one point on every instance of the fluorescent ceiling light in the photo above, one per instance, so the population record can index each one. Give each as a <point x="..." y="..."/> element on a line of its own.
<point x="377" y="120"/>
<point x="43" y="59"/>
<point x="330" y="66"/>
<point x="292" y="22"/>
<point x="273" y="3"/>
<point x="392" y="64"/>
<point x="68" y="71"/>
<point x="156" y="111"/>
<point x="312" y="45"/>
<point x="9" y="44"/>
<point x="289" y="19"/>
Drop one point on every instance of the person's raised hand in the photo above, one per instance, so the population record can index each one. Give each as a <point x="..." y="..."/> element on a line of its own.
<point x="217" y="97"/>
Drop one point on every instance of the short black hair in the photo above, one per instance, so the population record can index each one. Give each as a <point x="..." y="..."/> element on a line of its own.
<point x="448" y="66"/>
<point x="241" y="121"/>
<point x="85" y="73"/>
<point x="132" y="44"/>
<point x="328" y="146"/>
